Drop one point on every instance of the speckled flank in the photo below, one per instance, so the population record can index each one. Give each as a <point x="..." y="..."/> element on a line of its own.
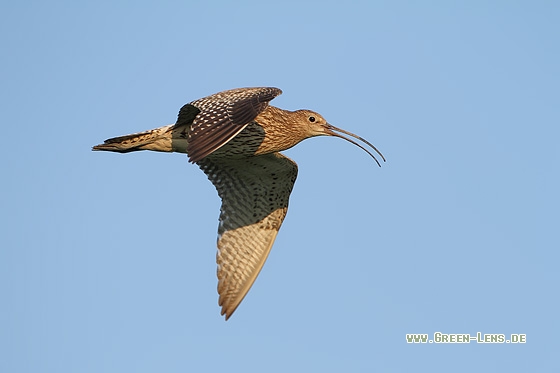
<point x="235" y="137"/>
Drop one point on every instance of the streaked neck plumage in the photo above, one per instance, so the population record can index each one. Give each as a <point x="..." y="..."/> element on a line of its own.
<point x="283" y="129"/>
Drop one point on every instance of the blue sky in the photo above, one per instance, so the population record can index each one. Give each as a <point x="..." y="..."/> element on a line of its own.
<point x="107" y="261"/>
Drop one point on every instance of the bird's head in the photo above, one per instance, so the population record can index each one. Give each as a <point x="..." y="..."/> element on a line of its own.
<point x="316" y="125"/>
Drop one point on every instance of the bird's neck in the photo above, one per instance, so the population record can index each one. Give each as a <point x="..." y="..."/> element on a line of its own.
<point x="281" y="131"/>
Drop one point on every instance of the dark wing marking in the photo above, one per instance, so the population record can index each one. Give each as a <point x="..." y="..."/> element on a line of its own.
<point x="186" y="115"/>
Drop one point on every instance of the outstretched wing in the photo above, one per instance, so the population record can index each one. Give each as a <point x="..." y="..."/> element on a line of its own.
<point x="221" y="117"/>
<point x="255" y="193"/>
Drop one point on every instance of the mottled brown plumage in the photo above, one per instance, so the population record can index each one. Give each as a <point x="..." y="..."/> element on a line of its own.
<point x="235" y="137"/>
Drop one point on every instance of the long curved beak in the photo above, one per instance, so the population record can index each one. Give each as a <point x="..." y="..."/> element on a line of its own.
<point x="330" y="131"/>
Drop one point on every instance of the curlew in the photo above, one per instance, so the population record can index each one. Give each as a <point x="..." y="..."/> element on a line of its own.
<point x="235" y="137"/>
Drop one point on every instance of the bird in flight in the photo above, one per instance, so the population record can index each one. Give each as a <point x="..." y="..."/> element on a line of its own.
<point x="236" y="137"/>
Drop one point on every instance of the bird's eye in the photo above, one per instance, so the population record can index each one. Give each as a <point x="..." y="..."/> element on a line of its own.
<point x="312" y="119"/>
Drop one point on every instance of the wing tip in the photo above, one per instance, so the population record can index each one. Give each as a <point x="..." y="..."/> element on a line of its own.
<point x="227" y="310"/>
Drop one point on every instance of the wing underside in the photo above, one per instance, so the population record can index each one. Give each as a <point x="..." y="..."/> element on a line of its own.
<point x="255" y="193"/>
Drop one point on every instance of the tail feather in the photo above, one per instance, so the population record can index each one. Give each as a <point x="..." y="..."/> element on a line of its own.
<point x="158" y="139"/>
